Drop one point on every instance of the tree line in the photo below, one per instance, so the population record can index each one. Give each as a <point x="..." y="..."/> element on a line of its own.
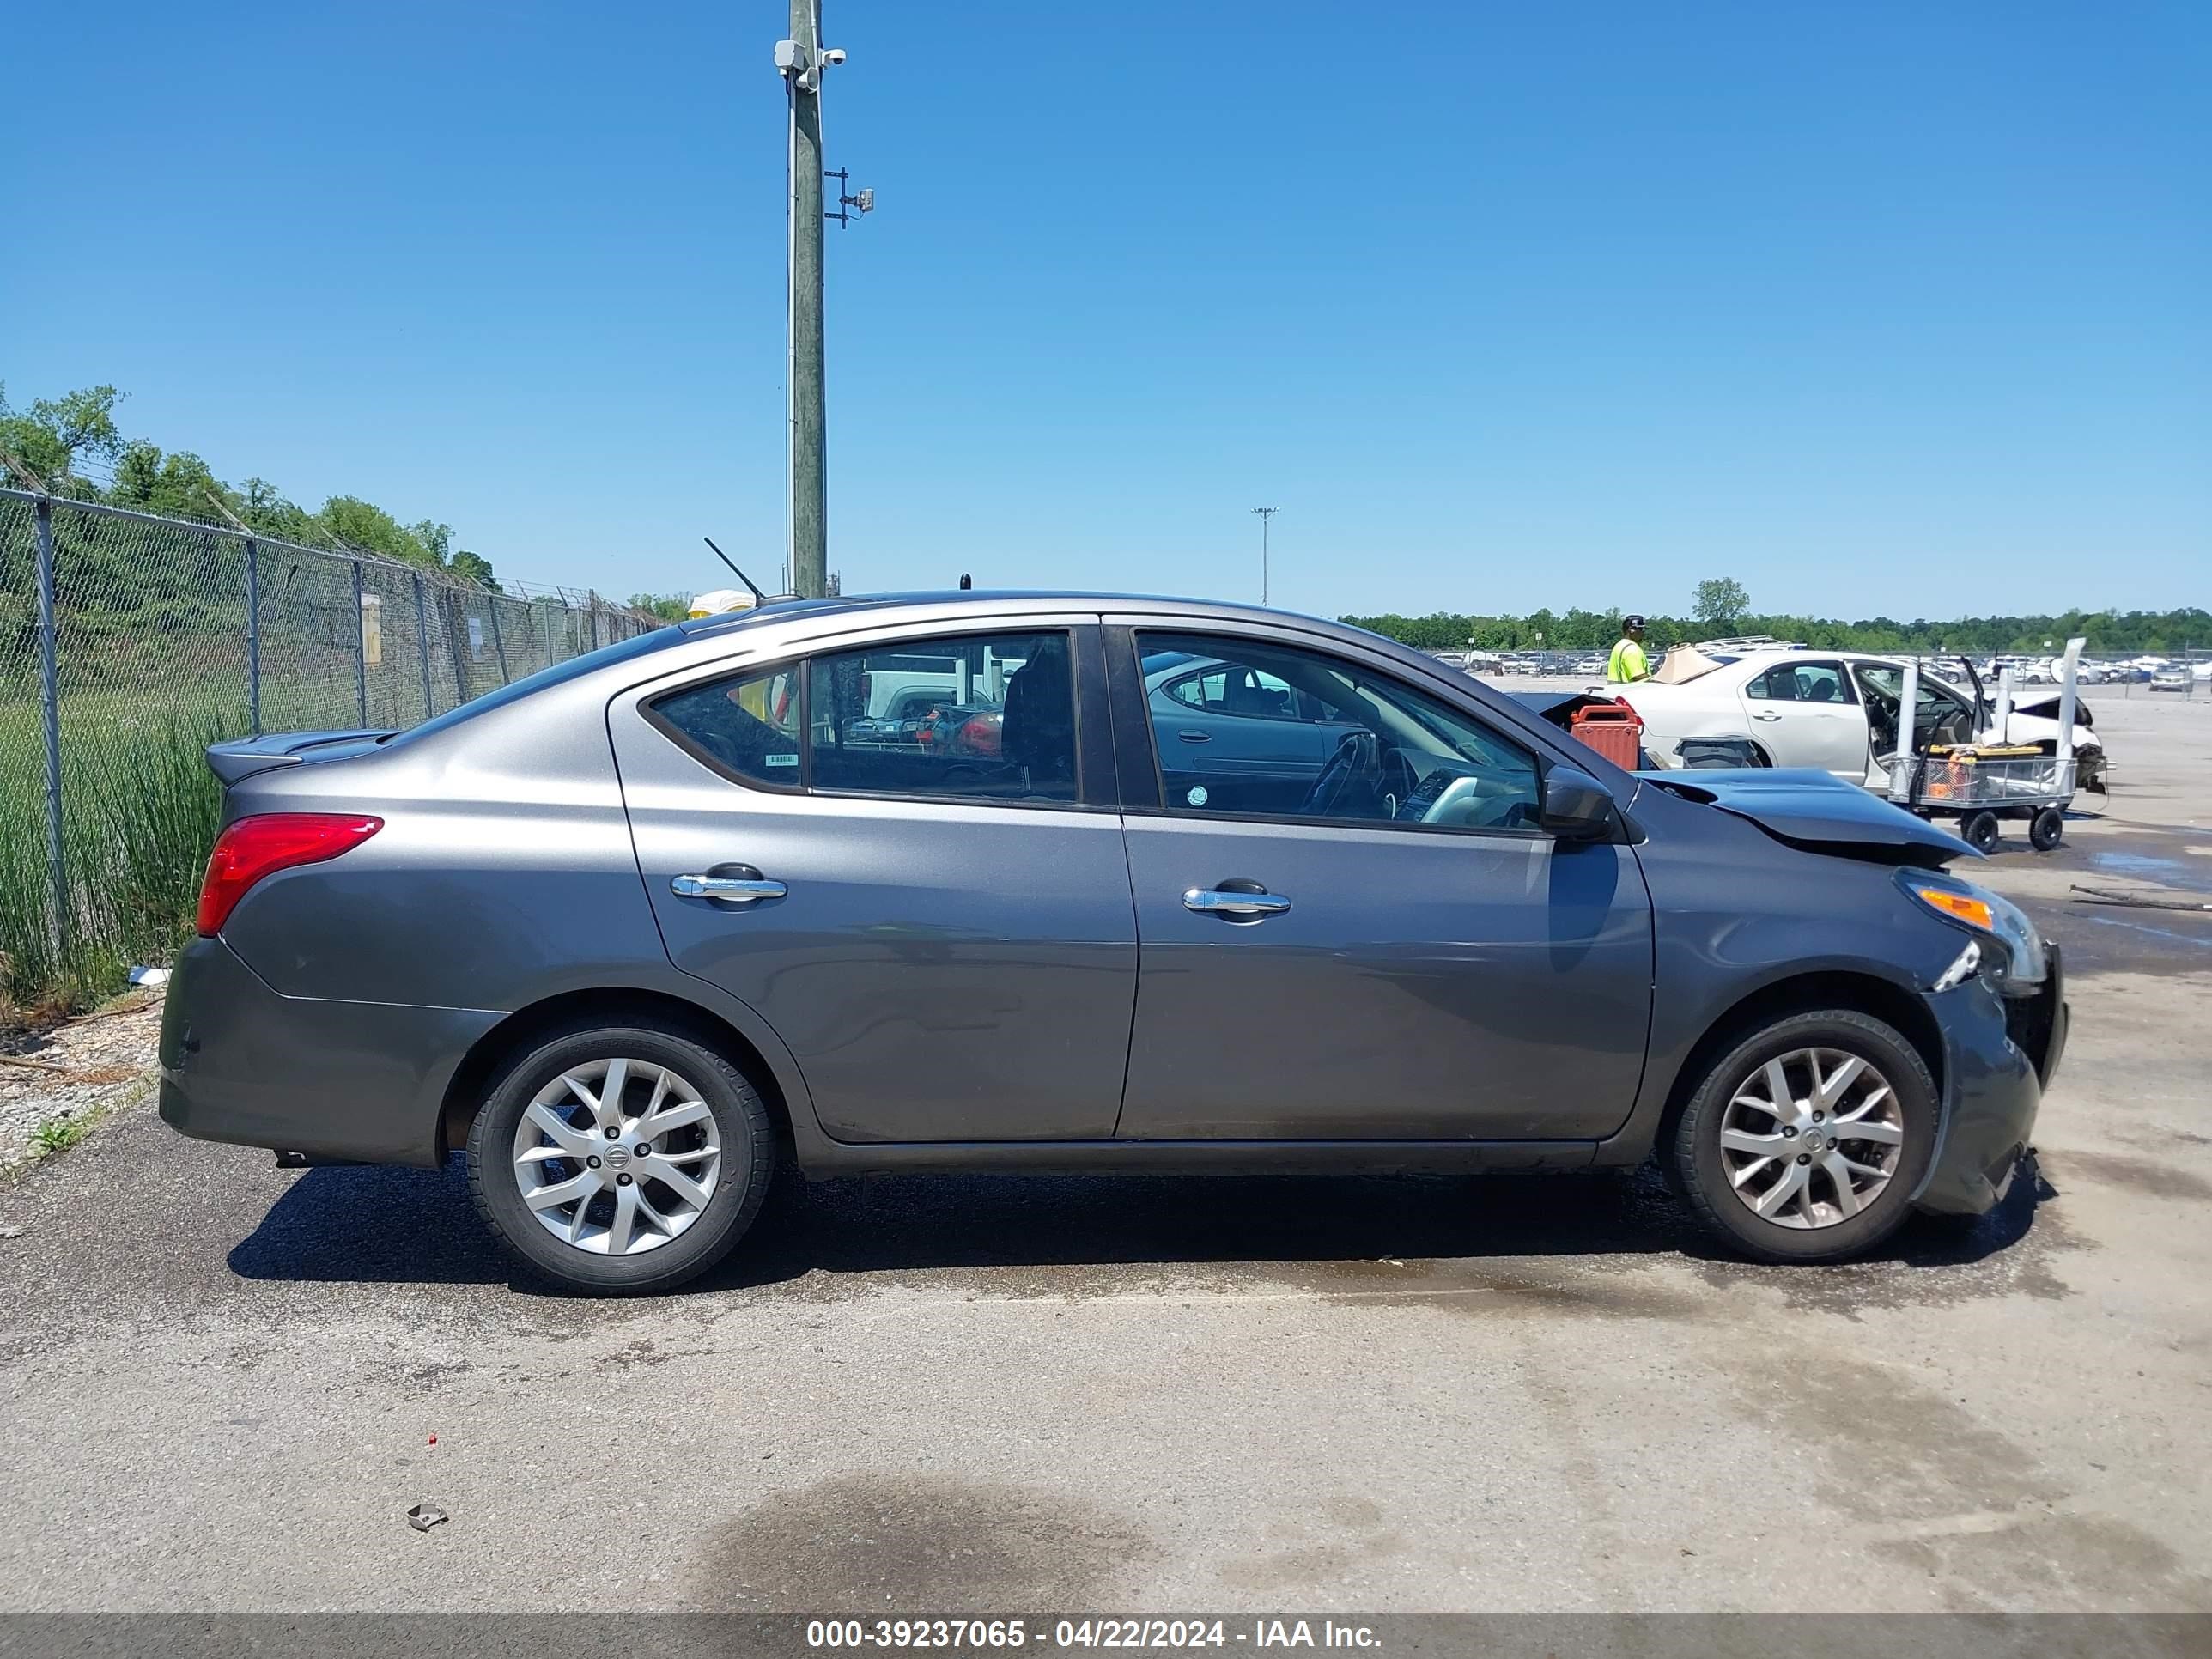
<point x="56" y="438"/>
<point x="1721" y="607"/>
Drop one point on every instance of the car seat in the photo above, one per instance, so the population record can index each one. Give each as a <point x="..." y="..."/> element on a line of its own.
<point x="1037" y="730"/>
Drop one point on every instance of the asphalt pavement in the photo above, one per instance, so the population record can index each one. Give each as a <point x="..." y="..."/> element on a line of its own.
<point x="219" y="1383"/>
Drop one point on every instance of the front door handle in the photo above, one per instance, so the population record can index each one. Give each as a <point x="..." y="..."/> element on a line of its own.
<point x="1195" y="737"/>
<point x="1242" y="907"/>
<point x="730" y="889"/>
<point x="1766" y="717"/>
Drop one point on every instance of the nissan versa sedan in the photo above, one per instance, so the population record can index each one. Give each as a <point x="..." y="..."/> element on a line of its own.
<point x="1228" y="890"/>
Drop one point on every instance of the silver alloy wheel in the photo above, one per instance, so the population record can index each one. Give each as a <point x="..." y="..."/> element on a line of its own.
<point x="1811" y="1138"/>
<point x="617" y="1156"/>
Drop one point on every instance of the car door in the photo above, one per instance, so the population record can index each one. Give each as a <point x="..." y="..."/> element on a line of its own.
<point x="946" y="945"/>
<point x="1940" y="715"/>
<point x="1358" y="970"/>
<point x="1806" y="713"/>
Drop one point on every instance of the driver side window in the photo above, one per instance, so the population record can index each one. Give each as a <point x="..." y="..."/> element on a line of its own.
<point x="1245" y="728"/>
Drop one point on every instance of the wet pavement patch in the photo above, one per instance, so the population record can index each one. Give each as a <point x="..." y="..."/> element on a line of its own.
<point x="914" y="1543"/>
<point x="2152" y="1177"/>
<point x="1934" y="1261"/>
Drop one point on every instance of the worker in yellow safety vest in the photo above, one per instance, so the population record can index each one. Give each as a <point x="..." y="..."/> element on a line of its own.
<point x="1628" y="663"/>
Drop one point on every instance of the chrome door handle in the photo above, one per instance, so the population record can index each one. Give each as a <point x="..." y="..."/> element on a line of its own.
<point x="1766" y="717"/>
<point x="730" y="889"/>
<point x="1250" y="906"/>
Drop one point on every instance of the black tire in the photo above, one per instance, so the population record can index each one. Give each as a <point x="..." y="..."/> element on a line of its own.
<point x="1700" y="1172"/>
<point x="2047" y="828"/>
<point x="1980" y="831"/>
<point x="741" y="1122"/>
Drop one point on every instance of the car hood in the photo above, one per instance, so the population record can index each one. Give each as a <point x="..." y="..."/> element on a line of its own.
<point x="1819" y="811"/>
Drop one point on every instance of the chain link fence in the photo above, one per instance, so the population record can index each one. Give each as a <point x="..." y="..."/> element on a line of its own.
<point x="129" y="643"/>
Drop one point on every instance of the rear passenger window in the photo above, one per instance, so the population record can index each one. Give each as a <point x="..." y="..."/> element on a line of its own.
<point x="748" y="725"/>
<point x="976" y="718"/>
<point x="1801" y="682"/>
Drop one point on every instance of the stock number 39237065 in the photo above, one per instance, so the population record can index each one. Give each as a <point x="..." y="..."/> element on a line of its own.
<point x="974" y="1633"/>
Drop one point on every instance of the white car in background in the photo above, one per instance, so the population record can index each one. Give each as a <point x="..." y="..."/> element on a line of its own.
<point x="1837" y="710"/>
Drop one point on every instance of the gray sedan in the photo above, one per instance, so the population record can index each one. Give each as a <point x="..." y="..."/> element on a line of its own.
<point x="1225" y="890"/>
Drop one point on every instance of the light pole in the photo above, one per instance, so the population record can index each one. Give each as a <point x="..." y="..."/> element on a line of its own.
<point x="1265" y="513"/>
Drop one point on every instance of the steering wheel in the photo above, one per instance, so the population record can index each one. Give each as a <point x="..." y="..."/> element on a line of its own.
<point x="1358" y="760"/>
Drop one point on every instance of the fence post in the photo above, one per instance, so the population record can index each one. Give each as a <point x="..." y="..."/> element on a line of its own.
<point x="423" y="638"/>
<point x="456" y="610"/>
<point x="360" y="647"/>
<point x="595" y="622"/>
<point x="253" y="632"/>
<point x="50" y="695"/>
<point x="498" y="643"/>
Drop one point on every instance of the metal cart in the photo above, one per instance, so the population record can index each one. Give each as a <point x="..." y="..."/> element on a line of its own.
<point x="1980" y="784"/>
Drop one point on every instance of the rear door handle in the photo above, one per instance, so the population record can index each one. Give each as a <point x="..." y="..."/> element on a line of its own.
<point x="1244" y="906"/>
<point x="1766" y="717"/>
<point x="1195" y="737"/>
<point x="730" y="889"/>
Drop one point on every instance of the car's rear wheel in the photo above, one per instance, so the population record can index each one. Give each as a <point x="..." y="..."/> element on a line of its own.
<point x="1804" y="1142"/>
<point x="622" y="1159"/>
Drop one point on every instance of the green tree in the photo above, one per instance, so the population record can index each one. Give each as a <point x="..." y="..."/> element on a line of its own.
<point x="357" y="522"/>
<point x="54" y="433"/>
<point x="471" y="567"/>
<point x="669" y="607"/>
<point x="1720" y="603"/>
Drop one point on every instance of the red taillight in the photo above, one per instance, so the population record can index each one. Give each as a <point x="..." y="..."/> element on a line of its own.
<point x="268" y="841"/>
<point x="981" y="735"/>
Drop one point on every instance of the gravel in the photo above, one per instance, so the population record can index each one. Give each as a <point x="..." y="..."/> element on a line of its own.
<point x="105" y="1059"/>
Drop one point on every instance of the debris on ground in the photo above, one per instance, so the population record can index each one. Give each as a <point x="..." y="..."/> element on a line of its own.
<point x="423" y="1516"/>
<point x="2136" y="900"/>
<point x="55" y="1082"/>
<point x="150" y="976"/>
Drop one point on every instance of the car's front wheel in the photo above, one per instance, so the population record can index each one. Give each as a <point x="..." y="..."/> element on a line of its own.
<point x="618" y="1159"/>
<point x="1803" y="1143"/>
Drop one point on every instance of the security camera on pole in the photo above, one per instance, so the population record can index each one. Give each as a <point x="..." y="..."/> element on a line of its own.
<point x="801" y="60"/>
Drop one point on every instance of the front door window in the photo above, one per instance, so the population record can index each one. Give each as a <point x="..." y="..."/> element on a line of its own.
<point x="1248" y="728"/>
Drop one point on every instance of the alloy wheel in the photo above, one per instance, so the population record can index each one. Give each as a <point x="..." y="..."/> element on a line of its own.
<point x="1811" y="1138"/>
<point x="617" y="1156"/>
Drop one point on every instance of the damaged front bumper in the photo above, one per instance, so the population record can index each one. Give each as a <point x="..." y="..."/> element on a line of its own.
<point x="1999" y="1053"/>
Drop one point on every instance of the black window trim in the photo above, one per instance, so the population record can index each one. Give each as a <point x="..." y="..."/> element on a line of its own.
<point x="1160" y="807"/>
<point x="1083" y="654"/>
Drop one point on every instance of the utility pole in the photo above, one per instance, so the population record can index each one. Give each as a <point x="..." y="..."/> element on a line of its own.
<point x="801" y="60"/>
<point x="1265" y="513"/>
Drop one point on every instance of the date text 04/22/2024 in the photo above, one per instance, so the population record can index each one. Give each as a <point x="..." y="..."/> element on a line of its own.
<point x="1124" y="1633"/>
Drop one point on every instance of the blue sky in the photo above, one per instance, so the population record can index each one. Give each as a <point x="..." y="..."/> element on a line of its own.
<point x="1876" y="307"/>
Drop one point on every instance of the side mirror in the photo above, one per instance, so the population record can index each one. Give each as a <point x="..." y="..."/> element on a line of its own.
<point x="1577" y="806"/>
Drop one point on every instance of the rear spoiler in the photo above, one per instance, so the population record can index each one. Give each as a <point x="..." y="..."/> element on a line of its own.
<point x="243" y="757"/>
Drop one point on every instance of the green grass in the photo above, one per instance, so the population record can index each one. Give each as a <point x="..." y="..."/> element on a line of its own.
<point x="139" y="811"/>
<point x="59" y="1134"/>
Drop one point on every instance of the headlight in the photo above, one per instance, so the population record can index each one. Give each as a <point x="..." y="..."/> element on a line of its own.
<point x="2017" y="961"/>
